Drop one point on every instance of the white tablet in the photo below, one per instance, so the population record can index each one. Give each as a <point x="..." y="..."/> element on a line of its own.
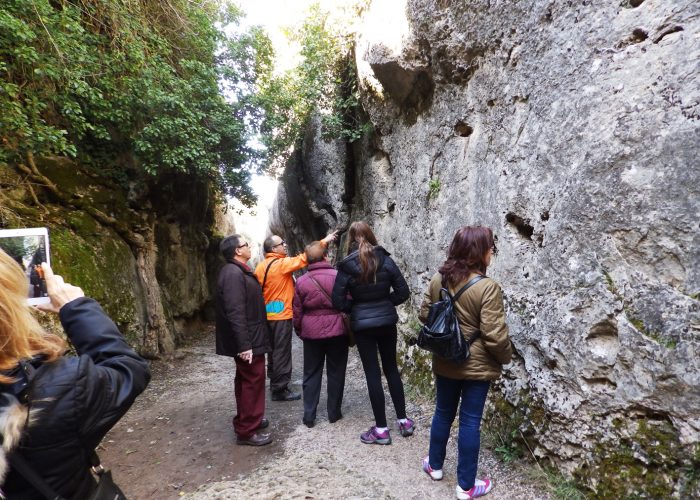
<point x="29" y="247"/>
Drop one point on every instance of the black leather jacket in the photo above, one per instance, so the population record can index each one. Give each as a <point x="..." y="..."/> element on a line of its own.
<point x="73" y="402"/>
<point x="371" y="304"/>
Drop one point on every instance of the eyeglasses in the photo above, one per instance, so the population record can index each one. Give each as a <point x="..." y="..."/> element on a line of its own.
<point x="243" y="245"/>
<point x="280" y="244"/>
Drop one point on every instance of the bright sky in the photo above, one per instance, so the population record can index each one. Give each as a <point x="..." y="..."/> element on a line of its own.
<point x="275" y="16"/>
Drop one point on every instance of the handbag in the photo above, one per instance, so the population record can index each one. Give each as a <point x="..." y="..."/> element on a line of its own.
<point x="346" y="320"/>
<point x="442" y="334"/>
<point x="348" y="330"/>
<point x="106" y="489"/>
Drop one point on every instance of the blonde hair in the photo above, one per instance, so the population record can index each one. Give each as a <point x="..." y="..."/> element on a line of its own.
<point x="21" y="336"/>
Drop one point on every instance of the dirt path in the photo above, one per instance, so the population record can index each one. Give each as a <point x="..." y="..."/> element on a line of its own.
<point x="177" y="441"/>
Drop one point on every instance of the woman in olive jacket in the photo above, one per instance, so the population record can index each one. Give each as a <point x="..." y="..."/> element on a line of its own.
<point x="479" y="308"/>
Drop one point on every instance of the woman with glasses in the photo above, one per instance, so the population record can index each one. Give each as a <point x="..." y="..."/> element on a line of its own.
<point x="480" y="313"/>
<point x="369" y="286"/>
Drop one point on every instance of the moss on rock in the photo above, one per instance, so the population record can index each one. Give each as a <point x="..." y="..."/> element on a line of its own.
<point x="648" y="461"/>
<point x="98" y="261"/>
<point x="416" y="364"/>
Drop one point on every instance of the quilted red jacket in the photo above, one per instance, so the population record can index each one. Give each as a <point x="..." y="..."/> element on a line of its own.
<point x="314" y="315"/>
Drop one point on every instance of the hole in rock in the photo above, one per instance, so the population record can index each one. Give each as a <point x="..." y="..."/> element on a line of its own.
<point x="635" y="3"/>
<point x="601" y="381"/>
<point x="638" y="35"/>
<point x="521" y="225"/>
<point x="491" y="103"/>
<point x="544" y="215"/>
<point x="462" y="129"/>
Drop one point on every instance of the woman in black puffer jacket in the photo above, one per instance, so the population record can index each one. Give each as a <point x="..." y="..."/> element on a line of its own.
<point x="375" y="286"/>
<point x="55" y="410"/>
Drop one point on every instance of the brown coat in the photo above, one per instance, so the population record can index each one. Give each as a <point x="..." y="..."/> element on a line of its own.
<point x="241" y="323"/>
<point x="479" y="308"/>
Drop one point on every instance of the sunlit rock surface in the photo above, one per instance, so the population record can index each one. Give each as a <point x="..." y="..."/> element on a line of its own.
<point x="572" y="129"/>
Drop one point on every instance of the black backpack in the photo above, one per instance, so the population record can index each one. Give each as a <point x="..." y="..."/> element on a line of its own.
<point x="441" y="334"/>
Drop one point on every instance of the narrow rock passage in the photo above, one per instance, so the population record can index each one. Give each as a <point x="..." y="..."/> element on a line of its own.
<point x="177" y="441"/>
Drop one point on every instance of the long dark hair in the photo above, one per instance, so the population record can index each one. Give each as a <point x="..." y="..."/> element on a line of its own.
<point x="467" y="254"/>
<point x="361" y="235"/>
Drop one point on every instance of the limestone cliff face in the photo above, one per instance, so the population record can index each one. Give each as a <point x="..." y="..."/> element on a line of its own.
<point x="571" y="129"/>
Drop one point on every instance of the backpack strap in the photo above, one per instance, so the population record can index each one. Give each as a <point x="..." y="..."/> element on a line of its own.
<point x="267" y="270"/>
<point x="471" y="282"/>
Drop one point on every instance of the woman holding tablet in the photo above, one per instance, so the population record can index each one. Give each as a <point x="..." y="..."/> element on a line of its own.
<point x="56" y="409"/>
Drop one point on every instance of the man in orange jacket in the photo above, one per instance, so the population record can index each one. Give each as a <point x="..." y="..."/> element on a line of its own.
<point x="275" y="276"/>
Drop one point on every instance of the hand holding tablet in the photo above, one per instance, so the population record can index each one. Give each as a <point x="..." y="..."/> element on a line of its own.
<point x="60" y="292"/>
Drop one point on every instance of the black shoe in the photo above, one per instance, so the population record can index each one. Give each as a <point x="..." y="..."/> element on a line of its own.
<point x="264" y="424"/>
<point x="255" y="440"/>
<point x="285" y="395"/>
<point x="333" y="420"/>
<point x="309" y="423"/>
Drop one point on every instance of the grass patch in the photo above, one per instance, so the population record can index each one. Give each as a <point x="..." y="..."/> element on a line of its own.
<point x="555" y="483"/>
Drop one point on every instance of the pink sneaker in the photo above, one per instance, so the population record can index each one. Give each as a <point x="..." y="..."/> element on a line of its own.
<point x="406" y="428"/>
<point x="479" y="489"/>
<point x="372" y="436"/>
<point x="435" y="475"/>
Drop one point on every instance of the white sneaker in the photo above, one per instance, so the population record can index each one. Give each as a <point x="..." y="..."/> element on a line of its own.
<point x="479" y="489"/>
<point x="435" y="475"/>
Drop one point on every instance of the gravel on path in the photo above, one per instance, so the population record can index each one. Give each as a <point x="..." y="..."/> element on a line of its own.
<point x="328" y="461"/>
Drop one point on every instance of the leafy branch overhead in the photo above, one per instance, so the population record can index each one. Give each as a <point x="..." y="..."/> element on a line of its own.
<point x="324" y="81"/>
<point x="162" y="80"/>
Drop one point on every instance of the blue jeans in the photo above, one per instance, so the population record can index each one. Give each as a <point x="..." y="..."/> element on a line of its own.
<point x="473" y="394"/>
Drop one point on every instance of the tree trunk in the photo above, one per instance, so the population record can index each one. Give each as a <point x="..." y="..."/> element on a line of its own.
<point x="157" y="337"/>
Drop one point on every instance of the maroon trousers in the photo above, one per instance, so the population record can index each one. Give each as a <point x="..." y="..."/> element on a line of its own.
<point x="249" y="389"/>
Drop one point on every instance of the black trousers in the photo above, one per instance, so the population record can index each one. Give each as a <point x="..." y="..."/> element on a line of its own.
<point x="384" y="340"/>
<point x="332" y="352"/>
<point x="279" y="361"/>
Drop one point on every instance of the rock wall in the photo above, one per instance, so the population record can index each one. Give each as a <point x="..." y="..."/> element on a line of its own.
<point x="572" y="129"/>
<point x="143" y="253"/>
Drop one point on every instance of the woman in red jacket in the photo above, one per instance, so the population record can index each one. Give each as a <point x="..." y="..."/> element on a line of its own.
<point x="321" y="328"/>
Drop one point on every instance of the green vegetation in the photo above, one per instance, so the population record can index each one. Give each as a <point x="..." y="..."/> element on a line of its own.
<point x="416" y="364"/>
<point x="647" y="463"/>
<point x="131" y="88"/>
<point x="668" y="343"/>
<point x="433" y="188"/>
<point x="503" y="427"/>
<point x="325" y="81"/>
<point x="553" y="481"/>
